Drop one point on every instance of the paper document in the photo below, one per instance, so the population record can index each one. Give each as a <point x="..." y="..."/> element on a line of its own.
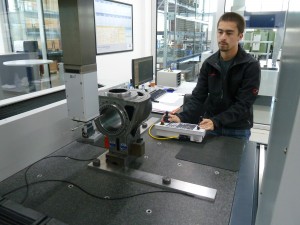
<point x="162" y="108"/>
<point x="170" y="98"/>
<point x="256" y="45"/>
<point x="168" y="102"/>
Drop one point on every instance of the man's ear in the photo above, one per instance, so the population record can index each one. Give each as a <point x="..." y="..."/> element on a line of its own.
<point x="241" y="35"/>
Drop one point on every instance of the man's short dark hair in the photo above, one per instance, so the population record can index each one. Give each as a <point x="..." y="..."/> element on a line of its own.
<point x="234" y="17"/>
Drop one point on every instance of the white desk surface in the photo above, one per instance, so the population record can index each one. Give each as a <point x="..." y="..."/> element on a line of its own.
<point x="173" y="101"/>
<point x="27" y="62"/>
<point x="168" y="102"/>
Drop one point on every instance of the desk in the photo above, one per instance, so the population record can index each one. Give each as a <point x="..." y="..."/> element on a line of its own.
<point x="29" y="63"/>
<point x="233" y="204"/>
<point x="186" y="87"/>
<point x="170" y="102"/>
<point x="166" y="103"/>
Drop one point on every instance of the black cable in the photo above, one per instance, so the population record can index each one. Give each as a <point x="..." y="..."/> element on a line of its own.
<point x="80" y="188"/>
<point x="54" y="156"/>
<point x="25" y="174"/>
<point x="93" y="195"/>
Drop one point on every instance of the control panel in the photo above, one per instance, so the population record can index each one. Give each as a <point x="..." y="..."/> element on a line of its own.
<point x="193" y="131"/>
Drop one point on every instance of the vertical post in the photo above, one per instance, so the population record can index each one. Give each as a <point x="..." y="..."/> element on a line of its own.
<point x="79" y="46"/>
<point x="279" y="197"/>
<point x="166" y="39"/>
<point x="175" y="31"/>
<point x="43" y="38"/>
<point x="220" y="11"/>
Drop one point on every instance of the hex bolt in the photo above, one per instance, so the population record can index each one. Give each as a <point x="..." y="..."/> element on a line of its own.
<point x="96" y="162"/>
<point x="166" y="180"/>
<point x="139" y="140"/>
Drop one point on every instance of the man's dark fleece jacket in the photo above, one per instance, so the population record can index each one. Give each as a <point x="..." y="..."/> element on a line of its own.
<point x="226" y="99"/>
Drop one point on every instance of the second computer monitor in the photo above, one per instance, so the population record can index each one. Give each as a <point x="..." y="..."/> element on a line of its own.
<point x="142" y="70"/>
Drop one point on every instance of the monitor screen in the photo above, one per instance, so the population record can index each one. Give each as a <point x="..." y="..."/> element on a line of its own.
<point x="113" y="26"/>
<point x="142" y="70"/>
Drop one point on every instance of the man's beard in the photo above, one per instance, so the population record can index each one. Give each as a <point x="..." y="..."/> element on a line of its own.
<point x="223" y="47"/>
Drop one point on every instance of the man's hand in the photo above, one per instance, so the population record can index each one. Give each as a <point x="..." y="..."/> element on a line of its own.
<point x="172" y="118"/>
<point x="207" y="124"/>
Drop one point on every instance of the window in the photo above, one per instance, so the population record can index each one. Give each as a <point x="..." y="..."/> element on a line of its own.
<point x="182" y="30"/>
<point x="27" y="32"/>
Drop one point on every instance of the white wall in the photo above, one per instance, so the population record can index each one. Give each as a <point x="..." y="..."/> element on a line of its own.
<point x="30" y="136"/>
<point x="117" y="66"/>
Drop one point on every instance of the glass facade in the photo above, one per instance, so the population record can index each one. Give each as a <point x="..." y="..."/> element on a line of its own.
<point x="30" y="29"/>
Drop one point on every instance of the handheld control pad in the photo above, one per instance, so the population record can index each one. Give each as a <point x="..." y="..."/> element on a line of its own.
<point x="175" y="129"/>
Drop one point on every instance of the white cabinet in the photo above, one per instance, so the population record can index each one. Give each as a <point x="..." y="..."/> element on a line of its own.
<point x="269" y="78"/>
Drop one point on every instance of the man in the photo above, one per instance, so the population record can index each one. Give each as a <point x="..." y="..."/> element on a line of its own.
<point x="228" y="83"/>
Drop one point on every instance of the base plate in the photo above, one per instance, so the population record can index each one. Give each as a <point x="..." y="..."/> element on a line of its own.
<point x="195" y="190"/>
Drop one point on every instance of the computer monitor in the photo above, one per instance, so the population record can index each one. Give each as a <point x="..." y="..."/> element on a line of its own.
<point x="142" y="70"/>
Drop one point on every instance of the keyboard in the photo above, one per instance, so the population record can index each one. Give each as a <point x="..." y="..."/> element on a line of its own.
<point x="157" y="93"/>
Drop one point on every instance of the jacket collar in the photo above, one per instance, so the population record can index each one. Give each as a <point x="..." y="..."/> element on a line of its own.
<point x="241" y="57"/>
